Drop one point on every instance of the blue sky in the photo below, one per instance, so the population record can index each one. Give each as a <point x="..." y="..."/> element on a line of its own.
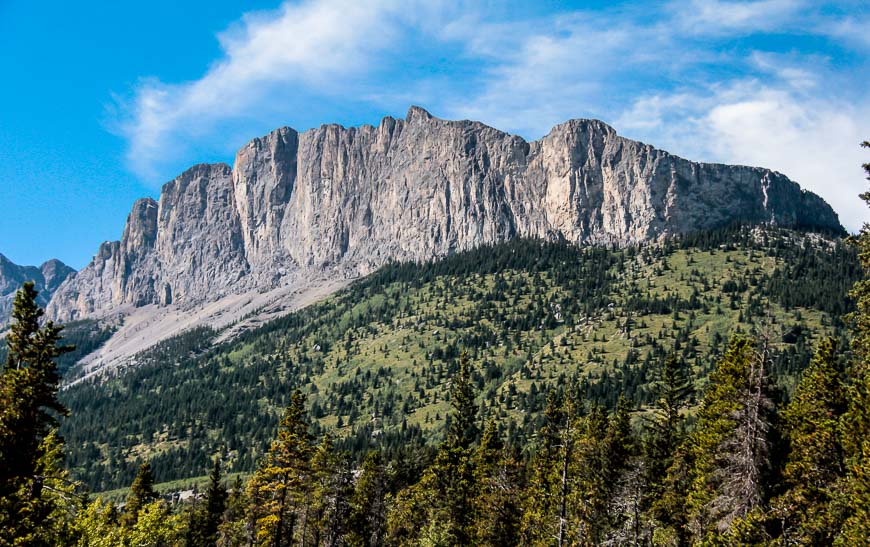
<point x="104" y="102"/>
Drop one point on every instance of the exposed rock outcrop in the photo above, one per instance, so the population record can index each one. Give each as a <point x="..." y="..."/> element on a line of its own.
<point x="339" y="202"/>
<point x="47" y="278"/>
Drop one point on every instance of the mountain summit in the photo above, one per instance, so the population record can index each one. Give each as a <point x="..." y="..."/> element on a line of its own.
<point x="335" y="203"/>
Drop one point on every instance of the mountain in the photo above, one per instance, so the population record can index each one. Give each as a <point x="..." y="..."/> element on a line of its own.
<point x="299" y="214"/>
<point x="47" y="278"/>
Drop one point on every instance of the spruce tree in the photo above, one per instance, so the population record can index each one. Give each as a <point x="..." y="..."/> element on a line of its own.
<point x="368" y="515"/>
<point x="280" y="489"/>
<point x="586" y="486"/>
<point x="454" y="468"/>
<point x="856" y="438"/>
<point x="815" y="467"/>
<point x="665" y="428"/>
<point x="141" y="494"/>
<point x="498" y="504"/>
<point x="30" y="454"/>
<point x="205" y="520"/>
<point x="233" y="529"/>
<point x="331" y="496"/>
<point x="463" y="420"/>
<point x="543" y="502"/>
<point x="730" y="444"/>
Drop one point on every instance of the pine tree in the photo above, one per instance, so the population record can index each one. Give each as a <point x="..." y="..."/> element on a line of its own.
<point x="205" y="520"/>
<point x="624" y="479"/>
<point x="453" y="466"/>
<point x="141" y="494"/>
<point x="815" y="466"/>
<point x="543" y="503"/>
<point x="280" y="489"/>
<point x="233" y="530"/>
<point x="32" y="481"/>
<point x="666" y="477"/>
<point x="369" y="505"/>
<point x="665" y="428"/>
<point x="463" y="422"/>
<point x="331" y="496"/>
<point x="731" y="441"/>
<point x="856" y="438"/>
<point x="440" y="507"/>
<point x="587" y="472"/>
<point x="498" y="507"/>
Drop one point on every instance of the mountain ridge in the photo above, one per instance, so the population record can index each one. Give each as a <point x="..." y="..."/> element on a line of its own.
<point x="334" y="203"/>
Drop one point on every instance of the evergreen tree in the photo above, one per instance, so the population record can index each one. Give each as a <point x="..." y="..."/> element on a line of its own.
<point x="233" y="529"/>
<point x="204" y="521"/>
<point x="856" y="438"/>
<point x="665" y="428"/>
<point x="141" y="494"/>
<point x="440" y="508"/>
<point x="541" y="520"/>
<point x="331" y="496"/>
<point x="280" y="489"/>
<point x="625" y="479"/>
<point x="368" y="515"/>
<point x="586" y="485"/>
<point x="730" y="444"/>
<point x="463" y="420"/>
<point x="30" y="454"/>
<point x="815" y="466"/>
<point x="453" y="466"/>
<point x="498" y="507"/>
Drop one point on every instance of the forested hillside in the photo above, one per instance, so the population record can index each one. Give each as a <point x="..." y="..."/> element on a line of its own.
<point x="376" y="361"/>
<point x="710" y="390"/>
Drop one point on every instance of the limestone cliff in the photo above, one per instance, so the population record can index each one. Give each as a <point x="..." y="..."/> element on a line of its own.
<point x="339" y="202"/>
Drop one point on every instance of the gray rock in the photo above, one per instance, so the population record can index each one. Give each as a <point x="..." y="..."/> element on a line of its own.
<point x="340" y="202"/>
<point x="47" y="278"/>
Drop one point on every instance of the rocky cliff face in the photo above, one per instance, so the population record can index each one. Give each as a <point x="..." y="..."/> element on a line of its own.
<point x="340" y="202"/>
<point x="47" y="278"/>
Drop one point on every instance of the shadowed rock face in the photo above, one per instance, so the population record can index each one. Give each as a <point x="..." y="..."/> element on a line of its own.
<point x="47" y="278"/>
<point x="340" y="202"/>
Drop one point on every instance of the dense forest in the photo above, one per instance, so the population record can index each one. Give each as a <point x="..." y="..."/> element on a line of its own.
<point x="711" y="390"/>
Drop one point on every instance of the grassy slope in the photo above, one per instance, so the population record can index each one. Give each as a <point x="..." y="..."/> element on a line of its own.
<point x="376" y="358"/>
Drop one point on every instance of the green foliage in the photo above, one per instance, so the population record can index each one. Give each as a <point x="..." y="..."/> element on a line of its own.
<point x="368" y="510"/>
<point x="857" y="419"/>
<point x="280" y="490"/>
<point x="141" y="494"/>
<point x="34" y="487"/>
<point x="729" y="446"/>
<point x="376" y="360"/>
<point x="815" y="469"/>
<point x="202" y="528"/>
<point x="592" y="436"/>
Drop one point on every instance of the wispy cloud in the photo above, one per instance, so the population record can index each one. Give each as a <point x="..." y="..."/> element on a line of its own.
<point x="686" y="77"/>
<point x="720" y="17"/>
<point x="813" y="140"/>
<point x="316" y="44"/>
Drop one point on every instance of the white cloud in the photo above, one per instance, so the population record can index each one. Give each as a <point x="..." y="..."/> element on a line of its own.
<point x="563" y="70"/>
<point x="814" y="141"/>
<point x="317" y="44"/>
<point x="724" y="17"/>
<point x="676" y="78"/>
